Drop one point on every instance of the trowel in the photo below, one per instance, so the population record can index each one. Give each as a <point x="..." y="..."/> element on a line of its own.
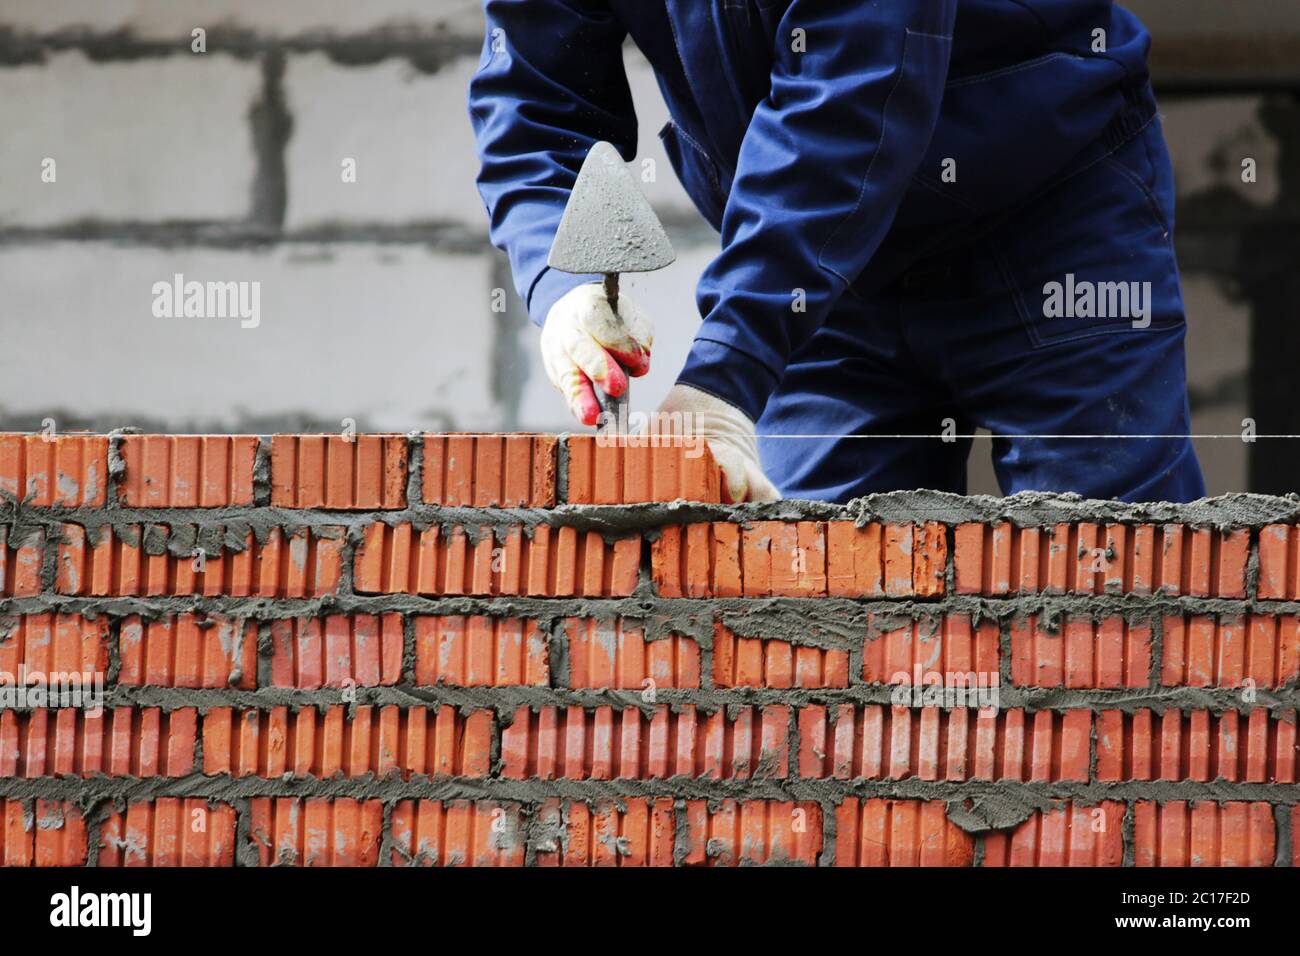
<point x="608" y="227"/>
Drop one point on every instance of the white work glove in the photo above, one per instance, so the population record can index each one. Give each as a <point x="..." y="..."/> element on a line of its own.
<point x="730" y="436"/>
<point x="584" y="341"/>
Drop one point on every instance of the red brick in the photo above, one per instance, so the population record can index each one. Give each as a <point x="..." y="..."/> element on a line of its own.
<point x="1001" y="554"/>
<point x="1170" y="542"/>
<point x="1141" y="566"/>
<point x="620" y="472"/>
<point x="1116" y="737"/>
<point x="1082" y="653"/>
<point x="681" y="561"/>
<point x="968" y="558"/>
<point x="1227" y="649"/>
<point x="186" y="650"/>
<point x="755" y="560"/>
<point x="1203" y="833"/>
<point x="554" y="562"/>
<point x="757" y="662"/>
<point x="1253" y="747"/>
<point x="767" y="554"/>
<point x="804" y="559"/>
<point x="698" y="565"/>
<point x="338" y="650"/>
<point x="1089" y="558"/>
<point x="614" y="655"/>
<point x="77" y="570"/>
<point x="898" y="560"/>
<point x="1229" y="563"/>
<point x="724" y="563"/>
<point x="1279" y="562"/>
<point x="169" y="832"/>
<point x="42" y="833"/>
<point x="704" y="560"/>
<point x="74" y="742"/>
<point x="287" y="831"/>
<point x="854" y="560"/>
<point x="1070" y="835"/>
<point x="1005" y="559"/>
<point x="881" y="832"/>
<point x="879" y="742"/>
<point x="1295" y="828"/>
<point x="606" y="743"/>
<point x="1117" y="569"/>
<point x="635" y="832"/>
<point x="480" y="651"/>
<point x="930" y="559"/>
<point x="1198" y="562"/>
<point x="309" y="565"/>
<point x="312" y="471"/>
<point x="810" y="577"/>
<point x="457" y="833"/>
<point x="893" y="655"/>
<point x="21" y="554"/>
<point x="1032" y="568"/>
<point x="43" y="644"/>
<point x="1202" y="563"/>
<point x="351" y="741"/>
<point x="330" y="471"/>
<point x="187" y="471"/>
<point x="1087" y="561"/>
<point x="489" y="471"/>
<point x="753" y="832"/>
<point x="69" y="471"/>
<point x="815" y="756"/>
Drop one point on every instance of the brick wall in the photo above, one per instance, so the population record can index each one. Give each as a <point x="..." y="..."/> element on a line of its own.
<point x="530" y="650"/>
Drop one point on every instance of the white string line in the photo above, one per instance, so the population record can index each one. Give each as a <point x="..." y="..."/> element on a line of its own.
<point x="661" y="436"/>
<point x="1234" y="435"/>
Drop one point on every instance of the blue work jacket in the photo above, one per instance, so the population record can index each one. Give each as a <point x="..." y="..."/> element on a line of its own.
<point x="808" y="132"/>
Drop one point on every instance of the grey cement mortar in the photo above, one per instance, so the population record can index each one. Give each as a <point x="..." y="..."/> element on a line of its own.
<point x="1285" y="836"/>
<point x="1025" y="510"/>
<point x="245" y="847"/>
<point x="1129" y="827"/>
<point x="506" y="700"/>
<point x="976" y="806"/>
<point x="426" y="49"/>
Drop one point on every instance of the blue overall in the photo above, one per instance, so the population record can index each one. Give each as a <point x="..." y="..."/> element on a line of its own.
<point x="936" y="215"/>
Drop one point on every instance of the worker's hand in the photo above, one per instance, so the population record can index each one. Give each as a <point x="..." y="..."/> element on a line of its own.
<point x="730" y="436"/>
<point x="584" y="341"/>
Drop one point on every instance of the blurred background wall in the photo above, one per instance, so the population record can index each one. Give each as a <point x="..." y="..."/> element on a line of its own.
<point x="377" y="294"/>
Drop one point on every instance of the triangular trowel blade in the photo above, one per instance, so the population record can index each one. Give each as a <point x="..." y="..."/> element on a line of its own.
<point x="608" y="226"/>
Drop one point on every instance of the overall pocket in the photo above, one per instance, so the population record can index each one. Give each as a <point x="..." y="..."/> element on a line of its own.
<point x="998" y="159"/>
<point x="1094" y="255"/>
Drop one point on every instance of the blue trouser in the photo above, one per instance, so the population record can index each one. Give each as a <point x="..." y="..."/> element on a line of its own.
<point x="974" y="336"/>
